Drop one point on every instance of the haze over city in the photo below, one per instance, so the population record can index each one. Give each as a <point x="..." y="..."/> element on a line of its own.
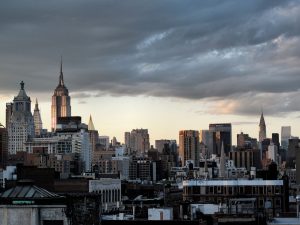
<point x="160" y="65"/>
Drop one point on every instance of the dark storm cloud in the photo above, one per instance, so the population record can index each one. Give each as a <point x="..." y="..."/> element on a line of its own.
<point x="210" y="50"/>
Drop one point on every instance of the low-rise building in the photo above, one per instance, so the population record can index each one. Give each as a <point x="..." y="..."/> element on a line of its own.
<point x="267" y="193"/>
<point x="110" y="190"/>
<point x="29" y="204"/>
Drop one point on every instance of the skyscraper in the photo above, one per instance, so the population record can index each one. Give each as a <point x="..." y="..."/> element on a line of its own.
<point x="21" y="125"/>
<point x="3" y="146"/>
<point x="204" y="136"/>
<point x="139" y="141"/>
<point x="127" y="139"/>
<point x="9" y="108"/>
<point x="262" y="128"/>
<point x="189" y="146"/>
<point x="275" y="140"/>
<point x="38" y="125"/>
<point x="221" y="132"/>
<point x="61" y="101"/>
<point x="94" y="136"/>
<point x="286" y="134"/>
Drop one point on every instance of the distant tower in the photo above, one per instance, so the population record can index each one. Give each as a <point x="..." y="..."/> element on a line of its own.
<point x="91" y="124"/>
<point x="21" y="125"/>
<point x="61" y="101"/>
<point x="94" y="136"/>
<point x="38" y="125"/>
<point x="189" y="146"/>
<point x="262" y="128"/>
<point x="222" y="162"/>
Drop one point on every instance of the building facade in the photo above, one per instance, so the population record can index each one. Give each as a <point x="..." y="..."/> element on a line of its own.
<point x="38" y="124"/>
<point x="3" y="146"/>
<point x="110" y="190"/>
<point x="189" y="146"/>
<point x="246" y="158"/>
<point x="221" y="133"/>
<point x="20" y="125"/>
<point x="266" y="193"/>
<point x="139" y="141"/>
<point x="286" y="134"/>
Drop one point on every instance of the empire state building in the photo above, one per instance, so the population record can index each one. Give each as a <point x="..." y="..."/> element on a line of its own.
<point x="61" y="101"/>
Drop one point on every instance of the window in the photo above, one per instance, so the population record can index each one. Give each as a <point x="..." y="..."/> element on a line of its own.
<point x="278" y="202"/>
<point x="53" y="222"/>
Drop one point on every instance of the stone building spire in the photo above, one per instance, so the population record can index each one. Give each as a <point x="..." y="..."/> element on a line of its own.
<point x="222" y="162"/>
<point x="38" y="125"/>
<point x="91" y="124"/>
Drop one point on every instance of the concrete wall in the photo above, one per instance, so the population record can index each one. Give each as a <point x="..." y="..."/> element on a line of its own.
<point x="160" y="214"/>
<point x="31" y="214"/>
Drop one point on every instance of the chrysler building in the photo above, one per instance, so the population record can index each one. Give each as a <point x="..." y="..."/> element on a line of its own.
<point x="61" y="101"/>
<point x="262" y="128"/>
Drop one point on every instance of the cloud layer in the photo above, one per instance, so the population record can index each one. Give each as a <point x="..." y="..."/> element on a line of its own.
<point x="236" y="55"/>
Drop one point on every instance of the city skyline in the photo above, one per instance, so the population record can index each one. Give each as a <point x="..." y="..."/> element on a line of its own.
<point x="207" y="63"/>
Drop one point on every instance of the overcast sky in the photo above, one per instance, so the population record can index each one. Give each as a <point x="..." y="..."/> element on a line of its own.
<point x="137" y="63"/>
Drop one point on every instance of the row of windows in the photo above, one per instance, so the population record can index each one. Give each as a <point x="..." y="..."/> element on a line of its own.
<point x="249" y="190"/>
<point x="109" y="196"/>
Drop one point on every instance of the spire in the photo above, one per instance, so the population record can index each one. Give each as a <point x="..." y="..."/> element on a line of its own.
<point x="262" y="119"/>
<point x="38" y="124"/>
<point x="91" y="124"/>
<point x="262" y="128"/>
<point x="61" y="75"/>
<point x="36" y="105"/>
<point x="222" y="162"/>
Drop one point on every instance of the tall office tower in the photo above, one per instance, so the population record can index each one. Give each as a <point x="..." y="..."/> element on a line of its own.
<point x="21" y="125"/>
<point x="244" y="141"/>
<point x="273" y="152"/>
<point x="241" y="139"/>
<point x="38" y="125"/>
<point x="286" y="134"/>
<point x="189" y="146"/>
<point x="94" y="136"/>
<point x="246" y="158"/>
<point x="275" y="140"/>
<point x="127" y="139"/>
<point x="3" y="146"/>
<point x="160" y="145"/>
<point x="114" y="141"/>
<point x="61" y="101"/>
<point x="221" y="132"/>
<point x="204" y="137"/>
<point x="104" y="141"/>
<point x="294" y="147"/>
<point x="9" y="108"/>
<point x="262" y="128"/>
<point x="139" y="141"/>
